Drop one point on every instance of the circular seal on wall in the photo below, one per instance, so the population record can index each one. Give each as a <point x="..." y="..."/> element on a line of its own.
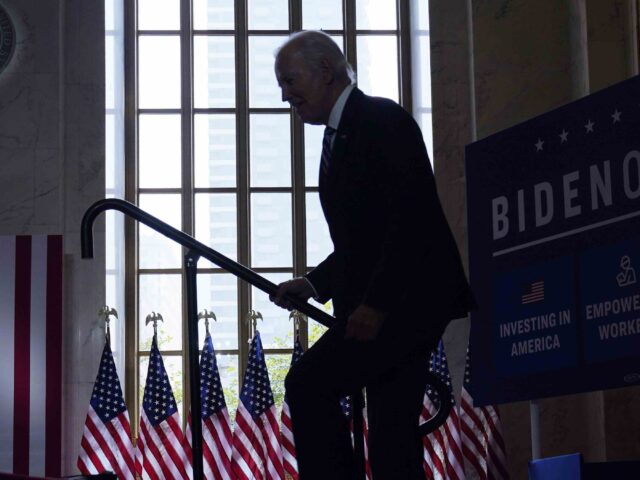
<point x="7" y="38"/>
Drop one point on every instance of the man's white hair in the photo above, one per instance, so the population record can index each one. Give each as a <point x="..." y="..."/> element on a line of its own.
<point x="313" y="46"/>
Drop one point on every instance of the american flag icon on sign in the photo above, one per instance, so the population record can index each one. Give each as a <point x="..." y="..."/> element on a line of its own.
<point x="533" y="292"/>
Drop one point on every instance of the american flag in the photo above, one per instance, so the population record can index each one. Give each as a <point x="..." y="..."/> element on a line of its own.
<point x="106" y="441"/>
<point x="288" y="444"/>
<point x="443" y="458"/>
<point x="257" y="454"/>
<point x="347" y="409"/>
<point x="31" y="354"/>
<point x="534" y="292"/>
<point x="482" y="442"/>
<point x="216" y="424"/>
<point x="160" y="453"/>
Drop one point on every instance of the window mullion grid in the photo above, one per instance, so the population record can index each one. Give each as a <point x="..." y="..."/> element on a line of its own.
<point x="349" y="24"/>
<point x="187" y="198"/>
<point x="242" y="175"/>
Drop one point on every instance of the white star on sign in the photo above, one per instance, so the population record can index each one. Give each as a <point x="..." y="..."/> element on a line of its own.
<point x="616" y="116"/>
<point x="539" y="145"/>
<point x="589" y="126"/>
<point x="563" y="136"/>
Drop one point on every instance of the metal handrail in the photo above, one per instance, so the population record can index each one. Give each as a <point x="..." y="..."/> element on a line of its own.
<point x="197" y="248"/>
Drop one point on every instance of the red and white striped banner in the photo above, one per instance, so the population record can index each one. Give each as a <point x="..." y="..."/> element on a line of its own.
<point x="30" y="354"/>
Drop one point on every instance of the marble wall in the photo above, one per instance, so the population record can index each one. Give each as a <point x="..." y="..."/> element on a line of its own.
<point x="52" y="168"/>
<point x="527" y="58"/>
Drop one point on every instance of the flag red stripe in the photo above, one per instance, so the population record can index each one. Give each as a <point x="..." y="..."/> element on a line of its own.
<point x="169" y="444"/>
<point x="152" y="449"/>
<point x="97" y="464"/>
<point x="53" y="435"/>
<point x="469" y="454"/>
<point x="115" y="434"/>
<point x="239" y="445"/>
<point x="104" y="446"/>
<point x="22" y="355"/>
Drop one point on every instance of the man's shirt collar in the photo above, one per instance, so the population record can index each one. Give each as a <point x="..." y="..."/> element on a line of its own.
<point x="338" y="107"/>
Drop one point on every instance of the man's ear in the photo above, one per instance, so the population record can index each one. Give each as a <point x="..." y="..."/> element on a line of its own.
<point x="326" y="71"/>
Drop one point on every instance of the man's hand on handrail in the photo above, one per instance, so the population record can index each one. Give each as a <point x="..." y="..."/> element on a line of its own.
<point x="296" y="287"/>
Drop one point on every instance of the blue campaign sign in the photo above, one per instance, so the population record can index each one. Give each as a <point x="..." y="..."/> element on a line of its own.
<point x="554" y="250"/>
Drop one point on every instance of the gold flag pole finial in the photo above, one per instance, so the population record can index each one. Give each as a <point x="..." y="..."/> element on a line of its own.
<point x="206" y="314"/>
<point x="252" y="320"/>
<point x="298" y="318"/>
<point x="105" y="314"/>
<point x="154" y="318"/>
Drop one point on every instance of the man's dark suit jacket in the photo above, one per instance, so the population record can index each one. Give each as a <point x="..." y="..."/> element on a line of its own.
<point x="393" y="249"/>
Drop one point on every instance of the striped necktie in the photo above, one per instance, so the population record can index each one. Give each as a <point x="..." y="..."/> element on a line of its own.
<point x="325" y="160"/>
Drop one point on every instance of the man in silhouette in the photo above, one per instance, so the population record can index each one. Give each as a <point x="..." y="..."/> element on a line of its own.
<point x="394" y="276"/>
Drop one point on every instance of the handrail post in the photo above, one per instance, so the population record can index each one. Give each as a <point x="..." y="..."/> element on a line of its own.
<point x="191" y="267"/>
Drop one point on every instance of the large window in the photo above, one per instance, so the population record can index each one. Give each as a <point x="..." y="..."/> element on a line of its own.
<point x="213" y="151"/>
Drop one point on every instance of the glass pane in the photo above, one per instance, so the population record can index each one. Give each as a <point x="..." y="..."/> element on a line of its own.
<point x="277" y="366"/>
<point x="173" y="366"/>
<point x="376" y="15"/>
<point x="316" y="330"/>
<point x="312" y="150"/>
<point x="271" y="237"/>
<point x="270" y="150"/>
<point x="319" y="243"/>
<point x="156" y="250"/>
<point x="263" y="87"/>
<point x="214" y="73"/>
<point x="378" y="66"/>
<point x="268" y="14"/>
<point x="218" y="293"/>
<point x="214" y="150"/>
<point x="321" y="14"/>
<point x="213" y="14"/>
<point x="159" y="14"/>
<point x="161" y="294"/>
<point x="228" y="369"/>
<point x="276" y="330"/>
<point x="159" y="71"/>
<point x="160" y="151"/>
<point x="216" y="224"/>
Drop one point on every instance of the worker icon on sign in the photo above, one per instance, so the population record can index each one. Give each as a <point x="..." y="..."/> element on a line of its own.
<point x="628" y="275"/>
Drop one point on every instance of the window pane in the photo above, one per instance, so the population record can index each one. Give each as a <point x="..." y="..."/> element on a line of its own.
<point x="156" y="250"/>
<point x="276" y="330"/>
<point x="216" y="224"/>
<point x="218" y="293"/>
<point x="268" y="14"/>
<point x="270" y="150"/>
<point x="161" y="294"/>
<point x="213" y="15"/>
<point x="278" y="366"/>
<point x="160" y="151"/>
<point x="312" y="150"/>
<point x="159" y="72"/>
<point x="173" y="366"/>
<point x="322" y="14"/>
<point x="271" y="241"/>
<point x="228" y="369"/>
<point x="319" y="243"/>
<point x="158" y="14"/>
<point x="378" y="66"/>
<point x="214" y="73"/>
<point x="263" y="87"/>
<point x="214" y="150"/>
<point x="376" y="15"/>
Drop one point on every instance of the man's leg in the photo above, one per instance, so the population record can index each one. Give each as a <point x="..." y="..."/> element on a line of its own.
<point x="394" y="403"/>
<point x="332" y="368"/>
